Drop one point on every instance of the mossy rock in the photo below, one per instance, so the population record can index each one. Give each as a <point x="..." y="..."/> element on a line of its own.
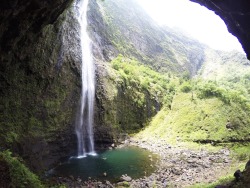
<point x="15" y="174"/>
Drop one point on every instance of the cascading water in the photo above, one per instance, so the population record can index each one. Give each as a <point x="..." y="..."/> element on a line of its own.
<point x="84" y="123"/>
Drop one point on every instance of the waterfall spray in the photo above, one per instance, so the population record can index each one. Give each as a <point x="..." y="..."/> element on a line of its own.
<point x="84" y="123"/>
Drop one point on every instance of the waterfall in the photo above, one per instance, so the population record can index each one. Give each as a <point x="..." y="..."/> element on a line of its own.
<point x="84" y="123"/>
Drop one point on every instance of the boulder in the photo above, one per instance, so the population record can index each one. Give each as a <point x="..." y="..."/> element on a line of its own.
<point x="125" y="178"/>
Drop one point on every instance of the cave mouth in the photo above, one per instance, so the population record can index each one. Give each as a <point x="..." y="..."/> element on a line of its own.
<point x="109" y="165"/>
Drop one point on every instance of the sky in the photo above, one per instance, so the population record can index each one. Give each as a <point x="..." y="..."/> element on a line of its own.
<point x="196" y="20"/>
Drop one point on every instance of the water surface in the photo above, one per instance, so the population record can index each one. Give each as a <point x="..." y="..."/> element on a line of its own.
<point x="110" y="165"/>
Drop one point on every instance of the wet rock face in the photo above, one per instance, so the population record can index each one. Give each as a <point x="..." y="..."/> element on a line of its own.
<point x="5" y="178"/>
<point x="103" y="48"/>
<point x="20" y="18"/>
<point x="39" y="80"/>
<point x="236" y="16"/>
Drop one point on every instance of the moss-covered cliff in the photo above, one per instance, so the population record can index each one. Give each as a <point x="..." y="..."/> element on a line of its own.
<point x="129" y="94"/>
<point x="166" y="51"/>
<point x="40" y="91"/>
<point x="140" y="37"/>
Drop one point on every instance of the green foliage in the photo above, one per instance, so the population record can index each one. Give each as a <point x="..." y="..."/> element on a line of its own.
<point x="58" y="186"/>
<point x="20" y="175"/>
<point x="228" y="96"/>
<point x="144" y="79"/>
<point x="186" y="87"/>
<point x="186" y="76"/>
<point x="123" y="184"/>
<point x="192" y="119"/>
<point x="210" y="89"/>
<point x="241" y="151"/>
<point x="222" y="181"/>
<point x="140" y="92"/>
<point x="164" y="49"/>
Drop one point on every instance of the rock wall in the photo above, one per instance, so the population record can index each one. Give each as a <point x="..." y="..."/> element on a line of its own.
<point x="40" y="82"/>
<point x="122" y="107"/>
<point x="40" y="85"/>
<point x="117" y="111"/>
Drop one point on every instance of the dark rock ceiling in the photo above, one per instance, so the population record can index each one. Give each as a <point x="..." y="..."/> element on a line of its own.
<point x="20" y="19"/>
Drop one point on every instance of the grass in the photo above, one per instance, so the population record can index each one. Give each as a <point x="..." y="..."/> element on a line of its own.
<point x="192" y="119"/>
<point x="241" y="152"/>
<point x="188" y="120"/>
<point x="226" y="177"/>
<point x="222" y="181"/>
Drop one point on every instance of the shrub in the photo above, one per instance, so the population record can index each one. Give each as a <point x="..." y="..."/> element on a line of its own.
<point x="186" y="87"/>
<point x="20" y="175"/>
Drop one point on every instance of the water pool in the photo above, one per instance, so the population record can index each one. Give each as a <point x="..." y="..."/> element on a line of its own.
<point x="109" y="165"/>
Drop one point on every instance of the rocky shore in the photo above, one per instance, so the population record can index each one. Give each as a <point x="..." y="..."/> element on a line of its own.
<point x="176" y="167"/>
<point x="181" y="167"/>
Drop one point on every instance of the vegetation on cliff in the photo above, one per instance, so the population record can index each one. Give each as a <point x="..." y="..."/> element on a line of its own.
<point x="15" y="174"/>
<point x="132" y="94"/>
<point x="38" y="99"/>
<point x="160" y="87"/>
<point x="139" y="37"/>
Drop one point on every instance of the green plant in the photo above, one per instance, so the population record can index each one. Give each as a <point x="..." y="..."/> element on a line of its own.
<point x="144" y="79"/>
<point x="241" y="152"/>
<point x="222" y="181"/>
<point x="186" y="87"/>
<point x="20" y="175"/>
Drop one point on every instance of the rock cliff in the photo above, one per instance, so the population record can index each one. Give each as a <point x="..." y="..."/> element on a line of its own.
<point x="39" y="80"/>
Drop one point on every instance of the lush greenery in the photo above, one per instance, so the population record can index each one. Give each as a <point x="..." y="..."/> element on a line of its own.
<point x="209" y="102"/>
<point x="207" y="111"/>
<point x="226" y="180"/>
<point x="161" y="87"/>
<point x="163" y="49"/>
<point x="201" y="120"/>
<point x="35" y="93"/>
<point x="134" y="94"/>
<point x="190" y="110"/>
<point x="20" y="175"/>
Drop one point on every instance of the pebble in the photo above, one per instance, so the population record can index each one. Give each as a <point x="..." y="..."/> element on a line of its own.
<point x="125" y="178"/>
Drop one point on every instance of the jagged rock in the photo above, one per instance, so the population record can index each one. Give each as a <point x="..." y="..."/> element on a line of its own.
<point x="237" y="175"/>
<point x="247" y="165"/>
<point x="125" y="178"/>
<point x="177" y="171"/>
<point x="109" y="185"/>
<point x="229" y="125"/>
